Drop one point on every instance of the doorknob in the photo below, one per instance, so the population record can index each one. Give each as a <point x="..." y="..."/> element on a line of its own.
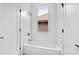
<point x="1" y="37"/>
<point x="77" y="45"/>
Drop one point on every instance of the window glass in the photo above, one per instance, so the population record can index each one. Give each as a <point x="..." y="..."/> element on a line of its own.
<point x="43" y="17"/>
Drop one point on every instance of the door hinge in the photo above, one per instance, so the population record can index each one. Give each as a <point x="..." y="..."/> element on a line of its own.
<point x="20" y="29"/>
<point x="28" y="34"/>
<point x="62" y="30"/>
<point x="20" y="48"/>
<point x="62" y="4"/>
<point x="20" y="10"/>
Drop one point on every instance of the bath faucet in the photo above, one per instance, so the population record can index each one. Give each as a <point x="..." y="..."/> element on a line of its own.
<point x="29" y="39"/>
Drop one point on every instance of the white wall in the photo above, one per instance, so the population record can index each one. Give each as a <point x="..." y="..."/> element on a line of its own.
<point x="60" y="15"/>
<point x="45" y="38"/>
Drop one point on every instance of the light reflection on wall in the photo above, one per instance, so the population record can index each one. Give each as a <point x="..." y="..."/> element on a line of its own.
<point x="24" y="13"/>
<point x="69" y="9"/>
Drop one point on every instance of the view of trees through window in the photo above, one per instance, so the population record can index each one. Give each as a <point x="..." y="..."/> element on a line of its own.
<point x="43" y="17"/>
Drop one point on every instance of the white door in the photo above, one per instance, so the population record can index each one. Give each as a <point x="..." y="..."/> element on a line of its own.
<point x="9" y="14"/>
<point x="71" y="24"/>
<point x="1" y="39"/>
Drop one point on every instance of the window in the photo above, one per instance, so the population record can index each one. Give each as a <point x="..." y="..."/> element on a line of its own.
<point x="43" y="17"/>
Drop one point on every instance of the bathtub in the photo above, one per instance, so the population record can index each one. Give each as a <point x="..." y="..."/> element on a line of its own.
<point x="30" y="49"/>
